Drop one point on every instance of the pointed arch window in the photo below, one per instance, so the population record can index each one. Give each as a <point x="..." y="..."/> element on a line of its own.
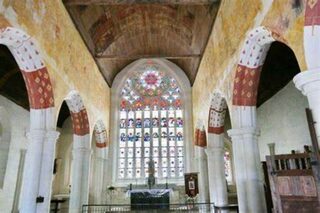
<point x="150" y="125"/>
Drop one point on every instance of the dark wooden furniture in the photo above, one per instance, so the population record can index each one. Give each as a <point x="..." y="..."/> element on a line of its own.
<point x="56" y="203"/>
<point x="292" y="183"/>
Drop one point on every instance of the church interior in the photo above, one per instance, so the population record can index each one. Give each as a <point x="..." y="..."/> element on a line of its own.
<point x="159" y="105"/>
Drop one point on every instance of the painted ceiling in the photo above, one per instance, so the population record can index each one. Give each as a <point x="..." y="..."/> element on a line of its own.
<point x="117" y="32"/>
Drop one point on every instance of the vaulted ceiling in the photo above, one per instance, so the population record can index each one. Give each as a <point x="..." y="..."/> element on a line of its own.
<point x="118" y="32"/>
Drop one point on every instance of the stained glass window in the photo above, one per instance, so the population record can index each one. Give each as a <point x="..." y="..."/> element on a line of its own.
<point x="150" y="125"/>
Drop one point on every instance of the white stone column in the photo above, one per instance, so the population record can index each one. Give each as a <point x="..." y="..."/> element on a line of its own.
<point x="203" y="174"/>
<point x="248" y="171"/>
<point x="46" y="176"/>
<point x="97" y="180"/>
<point x="80" y="174"/>
<point x="31" y="172"/>
<point x="309" y="84"/>
<point x="217" y="179"/>
<point x="85" y="176"/>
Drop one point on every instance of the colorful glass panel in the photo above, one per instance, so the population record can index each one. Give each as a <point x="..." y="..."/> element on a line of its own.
<point x="150" y="124"/>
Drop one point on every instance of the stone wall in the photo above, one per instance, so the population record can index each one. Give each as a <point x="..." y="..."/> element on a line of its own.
<point x="283" y="121"/>
<point x="18" y="126"/>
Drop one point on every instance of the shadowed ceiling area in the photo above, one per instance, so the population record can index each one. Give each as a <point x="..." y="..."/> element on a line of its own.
<point x="118" y="32"/>
<point x="12" y="85"/>
<point x="278" y="70"/>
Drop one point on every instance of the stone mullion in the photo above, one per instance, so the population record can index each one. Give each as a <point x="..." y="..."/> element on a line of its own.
<point x="143" y="174"/>
<point x="175" y="145"/>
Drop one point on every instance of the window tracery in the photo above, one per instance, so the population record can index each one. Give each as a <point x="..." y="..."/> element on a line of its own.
<point x="150" y="125"/>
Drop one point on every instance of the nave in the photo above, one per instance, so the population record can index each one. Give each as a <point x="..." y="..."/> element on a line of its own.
<point x="159" y="105"/>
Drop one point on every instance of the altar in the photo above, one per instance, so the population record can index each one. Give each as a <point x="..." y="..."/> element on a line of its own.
<point x="142" y="199"/>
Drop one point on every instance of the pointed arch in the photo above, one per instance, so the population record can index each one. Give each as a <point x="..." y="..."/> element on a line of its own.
<point x="216" y="149"/>
<point x="252" y="57"/>
<point x="100" y="134"/>
<point x="41" y="102"/>
<point x="81" y="151"/>
<point x="245" y="90"/>
<point x="35" y="74"/>
<point x="181" y="81"/>
<point x="101" y="138"/>
<point x="217" y="113"/>
<point x="78" y="112"/>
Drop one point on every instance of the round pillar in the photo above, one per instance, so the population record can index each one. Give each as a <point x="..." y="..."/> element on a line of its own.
<point x="31" y="172"/>
<point x="46" y="175"/>
<point x="80" y="174"/>
<point x="308" y="82"/>
<point x="216" y="172"/>
<point x="203" y="174"/>
<point x="248" y="171"/>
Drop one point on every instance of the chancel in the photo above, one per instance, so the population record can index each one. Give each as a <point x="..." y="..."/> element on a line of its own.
<point x="159" y="105"/>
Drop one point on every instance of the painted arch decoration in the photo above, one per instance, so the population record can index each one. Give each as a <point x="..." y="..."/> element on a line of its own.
<point x="100" y="134"/>
<point x="312" y="13"/>
<point x="200" y="137"/>
<point x="312" y="33"/>
<point x="33" y="69"/>
<point x="217" y="113"/>
<point x="79" y="117"/>
<point x="252" y="57"/>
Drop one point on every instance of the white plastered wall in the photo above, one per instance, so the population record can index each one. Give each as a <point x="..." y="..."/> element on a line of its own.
<point x="18" y="119"/>
<point x="61" y="179"/>
<point x="282" y="120"/>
